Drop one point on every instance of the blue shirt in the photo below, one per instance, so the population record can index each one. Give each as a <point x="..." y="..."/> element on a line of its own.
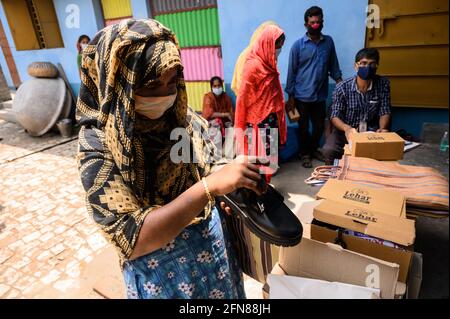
<point x="352" y="106"/>
<point x="310" y="64"/>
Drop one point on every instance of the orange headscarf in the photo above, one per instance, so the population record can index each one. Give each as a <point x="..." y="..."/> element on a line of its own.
<point x="261" y="93"/>
<point x="239" y="67"/>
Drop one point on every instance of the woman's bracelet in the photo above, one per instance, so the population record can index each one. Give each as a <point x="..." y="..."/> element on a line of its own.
<point x="208" y="193"/>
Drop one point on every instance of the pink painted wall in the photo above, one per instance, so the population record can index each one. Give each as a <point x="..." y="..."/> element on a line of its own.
<point x="201" y="64"/>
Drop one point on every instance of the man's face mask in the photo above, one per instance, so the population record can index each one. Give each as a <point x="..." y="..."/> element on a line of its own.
<point x="315" y="28"/>
<point x="366" y="72"/>
<point x="153" y="107"/>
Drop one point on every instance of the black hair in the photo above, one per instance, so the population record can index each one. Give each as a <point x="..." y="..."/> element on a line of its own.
<point x="314" y="11"/>
<point x="282" y="37"/>
<point x="211" y="82"/>
<point x="82" y="37"/>
<point x="368" y="53"/>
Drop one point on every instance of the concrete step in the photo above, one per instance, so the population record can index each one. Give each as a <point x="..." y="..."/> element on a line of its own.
<point x="8" y="115"/>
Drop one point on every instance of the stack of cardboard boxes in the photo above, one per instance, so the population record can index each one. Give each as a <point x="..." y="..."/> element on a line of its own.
<point x="355" y="235"/>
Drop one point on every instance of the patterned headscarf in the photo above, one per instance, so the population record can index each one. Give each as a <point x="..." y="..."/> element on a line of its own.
<point x="113" y="168"/>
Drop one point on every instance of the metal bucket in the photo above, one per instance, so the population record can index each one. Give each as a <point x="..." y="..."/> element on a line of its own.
<point x="65" y="127"/>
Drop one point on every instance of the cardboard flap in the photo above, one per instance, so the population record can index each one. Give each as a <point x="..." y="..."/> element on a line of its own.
<point x="396" y="229"/>
<point x="334" y="246"/>
<point x="316" y="260"/>
<point x="365" y="247"/>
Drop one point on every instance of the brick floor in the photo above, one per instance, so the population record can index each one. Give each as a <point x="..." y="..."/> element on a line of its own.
<point x="49" y="247"/>
<point x="46" y="236"/>
<point x="21" y="144"/>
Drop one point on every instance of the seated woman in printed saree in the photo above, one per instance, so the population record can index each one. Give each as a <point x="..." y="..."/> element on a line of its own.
<point x="158" y="213"/>
<point x="217" y="106"/>
<point x="260" y="102"/>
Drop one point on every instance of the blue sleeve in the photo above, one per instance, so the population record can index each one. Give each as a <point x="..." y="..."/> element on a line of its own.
<point x="385" y="107"/>
<point x="333" y="66"/>
<point x="292" y="70"/>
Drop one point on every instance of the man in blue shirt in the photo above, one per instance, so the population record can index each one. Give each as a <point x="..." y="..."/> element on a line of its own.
<point x="312" y="59"/>
<point x="360" y="103"/>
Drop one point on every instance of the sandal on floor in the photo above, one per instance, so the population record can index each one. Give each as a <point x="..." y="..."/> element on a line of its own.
<point x="306" y="161"/>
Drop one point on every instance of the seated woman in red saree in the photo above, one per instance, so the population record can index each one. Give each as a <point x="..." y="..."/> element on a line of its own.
<point x="217" y="106"/>
<point x="260" y="103"/>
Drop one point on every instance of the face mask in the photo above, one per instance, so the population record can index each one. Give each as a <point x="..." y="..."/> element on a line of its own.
<point x="217" y="91"/>
<point x="153" y="107"/>
<point x="366" y="72"/>
<point x="315" y="29"/>
<point x="278" y="52"/>
<point x="83" y="46"/>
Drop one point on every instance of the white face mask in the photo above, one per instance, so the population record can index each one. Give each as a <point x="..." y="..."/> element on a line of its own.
<point x="217" y="91"/>
<point x="278" y="52"/>
<point x="83" y="46"/>
<point x="153" y="107"/>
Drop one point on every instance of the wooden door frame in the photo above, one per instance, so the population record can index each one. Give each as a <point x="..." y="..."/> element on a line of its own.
<point x="9" y="57"/>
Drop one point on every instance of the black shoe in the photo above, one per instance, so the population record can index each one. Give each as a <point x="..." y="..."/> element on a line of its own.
<point x="306" y="161"/>
<point x="266" y="216"/>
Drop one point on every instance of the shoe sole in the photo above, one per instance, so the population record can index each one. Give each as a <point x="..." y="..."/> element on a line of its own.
<point x="254" y="229"/>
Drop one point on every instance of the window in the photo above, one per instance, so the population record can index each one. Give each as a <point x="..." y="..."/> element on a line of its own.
<point x="33" y="24"/>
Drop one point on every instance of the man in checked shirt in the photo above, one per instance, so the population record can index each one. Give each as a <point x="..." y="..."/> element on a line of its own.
<point x="360" y="103"/>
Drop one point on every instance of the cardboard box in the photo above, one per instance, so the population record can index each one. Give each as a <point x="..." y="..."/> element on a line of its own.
<point x="277" y="270"/>
<point x="347" y="150"/>
<point x="401" y="257"/>
<point x="389" y="227"/>
<point x="408" y="275"/>
<point x="375" y="199"/>
<point x="293" y="115"/>
<point x="379" y="146"/>
<point x="326" y="235"/>
<point x="329" y="262"/>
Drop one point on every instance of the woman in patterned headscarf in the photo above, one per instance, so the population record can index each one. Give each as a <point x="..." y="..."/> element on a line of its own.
<point x="158" y="212"/>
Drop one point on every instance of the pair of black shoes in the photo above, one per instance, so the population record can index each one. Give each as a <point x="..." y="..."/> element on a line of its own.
<point x="266" y="216"/>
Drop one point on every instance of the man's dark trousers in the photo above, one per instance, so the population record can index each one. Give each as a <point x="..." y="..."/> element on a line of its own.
<point x="316" y="112"/>
<point x="334" y="146"/>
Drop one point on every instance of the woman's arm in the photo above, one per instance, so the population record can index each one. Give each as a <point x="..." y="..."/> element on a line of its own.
<point x="165" y="223"/>
<point x="135" y="229"/>
<point x="207" y="109"/>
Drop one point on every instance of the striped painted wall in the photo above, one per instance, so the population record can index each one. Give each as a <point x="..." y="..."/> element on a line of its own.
<point x="195" y="93"/>
<point x="113" y="9"/>
<point x="201" y="64"/>
<point x="194" y="28"/>
<point x="171" y="6"/>
<point x="196" y="25"/>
